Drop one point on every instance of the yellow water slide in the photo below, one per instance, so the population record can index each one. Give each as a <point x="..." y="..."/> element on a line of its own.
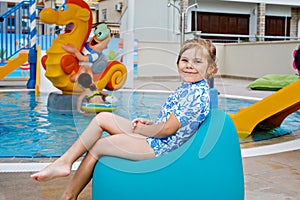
<point x="270" y="111"/>
<point x="13" y="64"/>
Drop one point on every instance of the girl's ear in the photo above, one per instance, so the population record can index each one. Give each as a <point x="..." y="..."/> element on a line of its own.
<point x="211" y="71"/>
<point x="215" y="70"/>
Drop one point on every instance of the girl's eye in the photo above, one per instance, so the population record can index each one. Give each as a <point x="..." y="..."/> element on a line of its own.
<point x="184" y="60"/>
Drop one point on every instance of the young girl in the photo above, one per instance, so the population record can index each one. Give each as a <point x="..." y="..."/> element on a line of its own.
<point x="141" y="139"/>
<point x="91" y="94"/>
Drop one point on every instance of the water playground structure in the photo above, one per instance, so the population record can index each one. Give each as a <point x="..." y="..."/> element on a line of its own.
<point x="61" y="65"/>
<point x="58" y="64"/>
<point x="210" y="160"/>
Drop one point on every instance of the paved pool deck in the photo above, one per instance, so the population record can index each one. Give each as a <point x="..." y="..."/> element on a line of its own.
<point x="269" y="174"/>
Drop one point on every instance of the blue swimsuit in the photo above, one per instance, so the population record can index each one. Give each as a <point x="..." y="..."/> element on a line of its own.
<point x="190" y="104"/>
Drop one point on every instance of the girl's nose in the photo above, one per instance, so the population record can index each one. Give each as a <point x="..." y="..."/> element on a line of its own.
<point x="189" y="64"/>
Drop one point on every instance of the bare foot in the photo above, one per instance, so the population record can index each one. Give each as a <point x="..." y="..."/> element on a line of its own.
<point x="54" y="170"/>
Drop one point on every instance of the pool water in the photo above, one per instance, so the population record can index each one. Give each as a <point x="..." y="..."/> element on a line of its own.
<point x="28" y="129"/>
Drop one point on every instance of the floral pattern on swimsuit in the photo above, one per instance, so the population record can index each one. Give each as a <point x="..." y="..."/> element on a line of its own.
<point x="190" y="103"/>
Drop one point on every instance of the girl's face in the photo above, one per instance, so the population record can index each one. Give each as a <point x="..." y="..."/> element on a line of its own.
<point x="192" y="66"/>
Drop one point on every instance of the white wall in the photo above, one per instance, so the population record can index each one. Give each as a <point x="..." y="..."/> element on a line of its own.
<point x="276" y="10"/>
<point x="45" y="85"/>
<point x="256" y="59"/>
<point x="157" y="59"/>
<point x="225" y="7"/>
<point x="249" y="60"/>
<point x="153" y="20"/>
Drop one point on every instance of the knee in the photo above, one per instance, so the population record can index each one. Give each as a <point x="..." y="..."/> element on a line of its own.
<point x="99" y="149"/>
<point x="101" y="117"/>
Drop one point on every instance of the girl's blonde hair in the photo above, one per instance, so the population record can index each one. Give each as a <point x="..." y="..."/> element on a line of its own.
<point x="211" y="49"/>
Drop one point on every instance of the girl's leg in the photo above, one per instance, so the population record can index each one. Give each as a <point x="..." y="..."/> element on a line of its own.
<point x="82" y="69"/>
<point x="81" y="178"/>
<point x="129" y="146"/>
<point x="90" y="72"/>
<point x="102" y="122"/>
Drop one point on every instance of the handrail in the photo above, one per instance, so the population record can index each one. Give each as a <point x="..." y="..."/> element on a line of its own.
<point x="15" y="30"/>
<point x="15" y="8"/>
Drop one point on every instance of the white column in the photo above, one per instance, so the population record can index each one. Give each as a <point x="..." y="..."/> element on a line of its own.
<point x="129" y="45"/>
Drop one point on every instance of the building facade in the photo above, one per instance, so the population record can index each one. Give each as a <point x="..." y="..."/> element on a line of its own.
<point x="216" y="19"/>
<point x="263" y="20"/>
<point x="163" y="20"/>
<point x="109" y="12"/>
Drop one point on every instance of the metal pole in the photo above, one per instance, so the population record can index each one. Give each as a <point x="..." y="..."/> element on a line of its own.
<point x="32" y="51"/>
<point x="180" y="14"/>
<point x="182" y="28"/>
<point x="183" y="15"/>
<point x="182" y="19"/>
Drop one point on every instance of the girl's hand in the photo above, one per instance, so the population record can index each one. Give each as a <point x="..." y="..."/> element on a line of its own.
<point x="84" y="113"/>
<point x="142" y="121"/>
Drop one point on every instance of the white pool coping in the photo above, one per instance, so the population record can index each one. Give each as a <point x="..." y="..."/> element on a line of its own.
<point x="28" y="167"/>
<point x="16" y="90"/>
<point x="271" y="149"/>
<point x="245" y="152"/>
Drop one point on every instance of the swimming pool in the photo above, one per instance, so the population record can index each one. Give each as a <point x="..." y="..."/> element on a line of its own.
<point x="28" y="129"/>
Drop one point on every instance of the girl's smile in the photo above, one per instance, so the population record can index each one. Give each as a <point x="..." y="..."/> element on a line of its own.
<point x="192" y="66"/>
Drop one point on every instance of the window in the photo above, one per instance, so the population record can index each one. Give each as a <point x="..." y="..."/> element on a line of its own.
<point x="104" y="14"/>
<point x="220" y="23"/>
<point x="277" y="26"/>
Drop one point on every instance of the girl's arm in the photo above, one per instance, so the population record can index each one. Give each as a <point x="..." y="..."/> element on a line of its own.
<point x="157" y="130"/>
<point x="105" y="94"/>
<point x="72" y="49"/>
<point x="79" y="102"/>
